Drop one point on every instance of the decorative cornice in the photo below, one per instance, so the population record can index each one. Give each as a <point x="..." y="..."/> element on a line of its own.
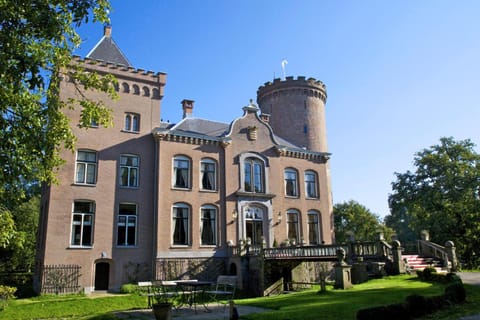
<point x="189" y="138"/>
<point x="302" y="153"/>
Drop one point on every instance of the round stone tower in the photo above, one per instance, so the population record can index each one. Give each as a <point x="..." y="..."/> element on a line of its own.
<point x="297" y="110"/>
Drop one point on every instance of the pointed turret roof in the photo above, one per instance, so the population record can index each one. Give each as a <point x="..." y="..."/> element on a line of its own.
<point x="107" y="50"/>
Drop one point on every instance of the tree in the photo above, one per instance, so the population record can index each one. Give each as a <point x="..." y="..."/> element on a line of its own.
<point x="37" y="40"/>
<point x="20" y="255"/>
<point x="352" y="217"/>
<point x="442" y="195"/>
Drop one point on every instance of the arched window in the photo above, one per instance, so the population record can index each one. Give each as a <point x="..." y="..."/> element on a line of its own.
<point x="156" y="93"/>
<point x="132" y="122"/>
<point x="314" y="224"/>
<point x="208" y="174"/>
<point x="293" y="226"/>
<point x="291" y="182"/>
<point x="208" y="227"/>
<point x="254" y="175"/>
<point x="181" y="224"/>
<point x="311" y="184"/>
<point x="136" y="89"/>
<point x="125" y="87"/>
<point x="146" y="92"/>
<point x="181" y="172"/>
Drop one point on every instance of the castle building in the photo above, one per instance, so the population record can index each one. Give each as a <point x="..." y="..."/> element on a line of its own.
<point x="147" y="200"/>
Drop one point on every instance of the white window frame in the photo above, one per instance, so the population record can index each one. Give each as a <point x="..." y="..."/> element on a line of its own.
<point x="290" y="176"/>
<point x="293" y="221"/>
<point x="206" y="166"/>
<point x="129" y="169"/>
<point x="317" y="225"/>
<point x="177" y="160"/>
<point x="130" y="220"/>
<point x="87" y="219"/>
<point x="311" y="184"/>
<point x="256" y="176"/>
<point x="87" y="166"/>
<point x="131" y="122"/>
<point x="211" y="222"/>
<point x="185" y="221"/>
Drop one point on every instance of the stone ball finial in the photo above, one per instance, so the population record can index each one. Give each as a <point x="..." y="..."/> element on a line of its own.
<point x="396" y="244"/>
<point x="449" y="244"/>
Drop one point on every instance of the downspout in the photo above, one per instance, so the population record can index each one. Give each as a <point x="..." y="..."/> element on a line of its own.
<point x="155" y="207"/>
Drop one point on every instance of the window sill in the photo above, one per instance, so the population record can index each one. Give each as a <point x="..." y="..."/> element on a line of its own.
<point x="181" y="189"/>
<point x="129" y="131"/>
<point x="208" y="191"/>
<point x="129" y="188"/>
<point x="292" y="197"/>
<point x="76" y="184"/>
<point x="80" y="247"/>
<point x="312" y="198"/>
<point x="208" y="246"/>
<point x="180" y="246"/>
<point x="127" y="247"/>
<point x="240" y="193"/>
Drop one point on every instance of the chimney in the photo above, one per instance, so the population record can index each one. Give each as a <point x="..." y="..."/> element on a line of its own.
<point x="187" y="106"/>
<point x="107" y="31"/>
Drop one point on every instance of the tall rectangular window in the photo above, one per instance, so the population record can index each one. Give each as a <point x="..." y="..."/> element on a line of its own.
<point x="82" y="223"/>
<point x="181" y="224"/>
<point x="208" y="174"/>
<point x="291" y="188"/>
<point x="127" y="224"/>
<point x="313" y="228"/>
<point x="311" y="188"/>
<point x="292" y="226"/>
<point x="253" y="176"/>
<point x="209" y="226"/>
<point x="86" y="167"/>
<point x="181" y="172"/>
<point x="129" y="168"/>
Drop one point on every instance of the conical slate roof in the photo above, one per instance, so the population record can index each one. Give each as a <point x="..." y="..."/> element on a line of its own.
<point x="107" y="50"/>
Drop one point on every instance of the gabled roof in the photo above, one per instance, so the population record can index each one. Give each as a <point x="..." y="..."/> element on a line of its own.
<point x="107" y="50"/>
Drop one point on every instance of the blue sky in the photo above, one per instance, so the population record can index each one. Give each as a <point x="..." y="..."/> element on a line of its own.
<point x="399" y="74"/>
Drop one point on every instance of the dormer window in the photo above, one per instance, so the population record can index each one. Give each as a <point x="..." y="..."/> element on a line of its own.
<point x="132" y="122"/>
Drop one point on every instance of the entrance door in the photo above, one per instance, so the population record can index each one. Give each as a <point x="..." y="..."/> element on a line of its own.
<point x="102" y="272"/>
<point x="254" y="224"/>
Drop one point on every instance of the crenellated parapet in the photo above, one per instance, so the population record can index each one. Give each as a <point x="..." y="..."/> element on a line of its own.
<point x="290" y="86"/>
<point x="130" y="80"/>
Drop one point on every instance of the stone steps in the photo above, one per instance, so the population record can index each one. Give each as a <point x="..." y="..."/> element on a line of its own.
<point x="417" y="262"/>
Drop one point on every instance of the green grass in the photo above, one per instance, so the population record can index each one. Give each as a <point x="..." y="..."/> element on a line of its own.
<point x="71" y="307"/>
<point x="308" y="304"/>
<point x="344" y="304"/>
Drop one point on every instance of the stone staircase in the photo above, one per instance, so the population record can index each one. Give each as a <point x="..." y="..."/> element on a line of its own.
<point x="417" y="262"/>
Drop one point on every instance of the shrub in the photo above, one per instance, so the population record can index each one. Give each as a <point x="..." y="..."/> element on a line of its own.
<point x="417" y="305"/>
<point x="429" y="273"/>
<point x="398" y="311"/>
<point x="129" y="288"/>
<point x="6" y="293"/>
<point x="455" y="293"/>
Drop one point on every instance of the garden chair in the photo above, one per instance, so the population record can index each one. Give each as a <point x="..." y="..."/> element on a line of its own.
<point x="224" y="289"/>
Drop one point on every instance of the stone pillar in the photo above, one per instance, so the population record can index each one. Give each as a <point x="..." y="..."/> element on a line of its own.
<point x="452" y="256"/>
<point x="398" y="263"/>
<point x="343" y="275"/>
<point x="359" y="271"/>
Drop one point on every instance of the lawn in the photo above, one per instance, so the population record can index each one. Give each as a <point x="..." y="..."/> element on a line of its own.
<point x="309" y="304"/>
